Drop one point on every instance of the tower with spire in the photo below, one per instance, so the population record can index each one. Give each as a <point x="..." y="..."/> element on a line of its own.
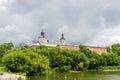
<point x="62" y="40"/>
<point x="42" y="39"/>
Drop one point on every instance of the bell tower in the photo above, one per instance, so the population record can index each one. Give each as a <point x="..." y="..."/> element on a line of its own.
<point x="62" y="40"/>
<point x="42" y="39"/>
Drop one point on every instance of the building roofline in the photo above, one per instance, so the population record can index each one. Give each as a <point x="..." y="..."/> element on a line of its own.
<point x="97" y="47"/>
<point x="85" y="45"/>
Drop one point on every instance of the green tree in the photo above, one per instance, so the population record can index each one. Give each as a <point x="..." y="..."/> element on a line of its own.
<point x="85" y="50"/>
<point x="116" y="48"/>
<point x="118" y="60"/>
<point x="109" y="49"/>
<point x="95" y="61"/>
<point x="4" y="48"/>
<point x="42" y="50"/>
<point x="110" y="59"/>
<point x="59" y="62"/>
<point x="78" y="60"/>
<point x="27" y="61"/>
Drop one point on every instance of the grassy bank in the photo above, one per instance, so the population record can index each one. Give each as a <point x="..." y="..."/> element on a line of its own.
<point x="103" y="68"/>
<point x="4" y="73"/>
<point x="2" y="69"/>
<point x="110" y="68"/>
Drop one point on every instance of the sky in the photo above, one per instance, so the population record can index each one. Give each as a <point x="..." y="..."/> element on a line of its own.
<point x="89" y="22"/>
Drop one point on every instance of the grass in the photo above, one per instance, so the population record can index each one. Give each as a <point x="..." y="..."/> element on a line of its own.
<point x="2" y="69"/>
<point x="110" y="68"/>
<point x="74" y="71"/>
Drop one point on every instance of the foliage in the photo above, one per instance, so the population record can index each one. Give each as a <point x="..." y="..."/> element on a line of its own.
<point x="4" y="48"/>
<point x="58" y="61"/>
<point x="95" y="61"/>
<point x="63" y="60"/>
<point x="78" y="59"/>
<point x="116" y="48"/>
<point x="110" y="59"/>
<point x="108" y="48"/>
<point x="106" y="59"/>
<point x="109" y="68"/>
<point x="118" y="60"/>
<point x="26" y="61"/>
<point x="37" y="61"/>
<point x="85" y="50"/>
<point x="2" y="69"/>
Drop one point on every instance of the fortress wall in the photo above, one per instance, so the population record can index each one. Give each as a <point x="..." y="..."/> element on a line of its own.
<point x="70" y="47"/>
<point x="98" y="50"/>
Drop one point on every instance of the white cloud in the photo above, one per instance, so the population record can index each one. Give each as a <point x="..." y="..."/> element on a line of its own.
<point x="107" y="36"/>
<point x="93" y="22"/>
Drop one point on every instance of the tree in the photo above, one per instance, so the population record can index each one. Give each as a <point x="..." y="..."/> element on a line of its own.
<point x="78" y="60"/>
<point x="4" y="48"/>
<point x="116" y="48"/>
<point x="59" y="61"/>
<point x="118" y="60"/>
<point x="85" y="50"/>
<point x="109" y="49"/>
<point x="110" y="59"/>
<point x="27" y="61"/>
<point x="95" y="61"/>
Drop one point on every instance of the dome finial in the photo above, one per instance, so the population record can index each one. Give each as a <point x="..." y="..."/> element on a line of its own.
<point x="62" y="36"/>
<point x="42" y="34"/>
<point x="62" y="40"/>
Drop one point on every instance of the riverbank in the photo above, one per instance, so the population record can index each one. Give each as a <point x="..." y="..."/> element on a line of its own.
<point x="110" y="68"/>
<point x="103" y="68"/>
<point x="4" y="75"/>
<point x="10" y="76"/>
<point x="88" y="75"/>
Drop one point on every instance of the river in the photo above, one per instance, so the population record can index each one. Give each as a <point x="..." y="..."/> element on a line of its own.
<point x="92" y="75"/>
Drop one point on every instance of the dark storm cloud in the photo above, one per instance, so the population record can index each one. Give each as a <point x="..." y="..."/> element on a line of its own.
<point x="94" y="22"/>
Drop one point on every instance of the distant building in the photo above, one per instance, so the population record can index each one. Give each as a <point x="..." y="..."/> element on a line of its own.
<point x="64" y="45"/>
<point x="42" y="41"/>
<point x="96" y="49"/>
<point x="62" y="40"/>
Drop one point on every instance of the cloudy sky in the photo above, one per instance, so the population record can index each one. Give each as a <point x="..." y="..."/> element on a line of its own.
<point x="91" y="22"/>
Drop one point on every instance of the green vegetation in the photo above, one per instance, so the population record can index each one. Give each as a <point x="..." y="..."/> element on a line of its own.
<point x="4" y="48"/>
<point x="63" y="60"/>
<point x="109" y="68"/>
<point x="111" y="58"/>
<point x="27" y="61"/>
<point x="41" y="60"/>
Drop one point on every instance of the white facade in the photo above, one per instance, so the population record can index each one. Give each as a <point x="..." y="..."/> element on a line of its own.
<point x="62" y="40"/>
<point x="44" y="41"/>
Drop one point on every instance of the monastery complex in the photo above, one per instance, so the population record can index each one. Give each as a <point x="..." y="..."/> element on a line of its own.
<point x="64" y="45"/>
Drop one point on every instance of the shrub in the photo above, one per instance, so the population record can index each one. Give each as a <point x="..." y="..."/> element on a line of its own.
<point x="26" y="61"/>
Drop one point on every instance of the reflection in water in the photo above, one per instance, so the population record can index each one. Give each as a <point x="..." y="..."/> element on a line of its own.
<point x="79" y="76"/>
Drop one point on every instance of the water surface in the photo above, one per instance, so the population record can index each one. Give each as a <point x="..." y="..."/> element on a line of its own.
<point x="92" y="75"/>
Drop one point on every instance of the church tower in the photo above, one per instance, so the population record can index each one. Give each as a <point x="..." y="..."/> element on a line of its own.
<point x="42" y="39"/>
<point x="62" y="40"/>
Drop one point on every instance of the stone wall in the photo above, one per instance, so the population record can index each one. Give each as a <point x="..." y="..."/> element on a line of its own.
<point x="7" y="76"/>
<point x="98" y="50"/>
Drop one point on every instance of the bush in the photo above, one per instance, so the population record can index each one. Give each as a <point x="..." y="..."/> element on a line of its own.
<point x="64" y="60"/>
<point x="79" y="67"/>
<point x="63" y="68"/>
<point x="5" y="48"/>
<point x="26" y="61"/>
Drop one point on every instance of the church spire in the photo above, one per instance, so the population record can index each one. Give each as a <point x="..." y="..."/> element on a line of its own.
<point x="62" y="36"/>
<point x="62" y="40"/>
<point x="42" y="34"/>
<point x="42" y="39"/>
